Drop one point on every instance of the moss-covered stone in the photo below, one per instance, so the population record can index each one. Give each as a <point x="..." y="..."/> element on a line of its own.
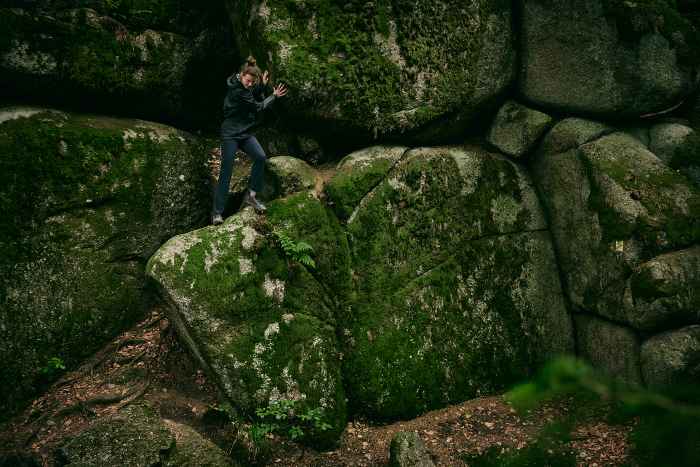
<point x="666" y="138"/>
<point x="382" y="68"/>
<point x="609" y="347"/>
<point x="292" y="175"/>
<point x="262" y="324"/>
<point x="516" y="129"/>
<point x="357" y="174"/>
<point x="192" y="449"/>
<point x="90" y="55"/>
<point x="86" y="200"/>
<point x="136" y="436"/>
<point x="612" y="205"/>
<point x="665" y="291"/>
<point x="672" y="360"/>
<point x="686" y="157"/>
<point x="407" y="449"/>
<point x="455" y="284"/>
<point x="608" y="58"/>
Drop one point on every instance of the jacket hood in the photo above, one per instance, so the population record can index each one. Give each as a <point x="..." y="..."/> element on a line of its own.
<point x="233" y="80"/>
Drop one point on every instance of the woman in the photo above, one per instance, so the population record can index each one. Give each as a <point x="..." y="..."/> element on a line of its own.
<point x="244" y="100"/>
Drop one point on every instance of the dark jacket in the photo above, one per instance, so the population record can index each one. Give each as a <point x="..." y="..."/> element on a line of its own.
<point x="241" y="107"/>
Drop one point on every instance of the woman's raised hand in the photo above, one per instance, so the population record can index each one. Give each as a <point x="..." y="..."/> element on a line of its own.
<point x="280" y="90"/>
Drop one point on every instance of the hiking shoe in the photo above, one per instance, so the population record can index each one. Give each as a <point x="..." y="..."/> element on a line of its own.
<point x="253" y="202"/>
<point x="217" y="219"/>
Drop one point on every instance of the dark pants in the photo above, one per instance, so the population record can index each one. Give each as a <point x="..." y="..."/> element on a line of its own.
<point x="250" y="145"/>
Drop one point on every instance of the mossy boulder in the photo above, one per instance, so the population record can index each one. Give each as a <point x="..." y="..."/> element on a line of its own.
<point x="378" y="69"/>
<point x="260" y="322"/>
<point x="136" y="436"/>
<point x="357" y="174"/>
<point x="192" y="449"/>
<point x="665" y="291"/>
<point x="606" y="58"/>
<point x="291" y="175"/>
<point x="609" y="347"/>
<point x="613" y="206"/>
<point x="456" y="290"/>
<point x="91" y="55"/>
<point x="516" y="129"/>
<point x="667" y="138"/>
<point x="86" y="201"/>
<point x="672" y="360"/>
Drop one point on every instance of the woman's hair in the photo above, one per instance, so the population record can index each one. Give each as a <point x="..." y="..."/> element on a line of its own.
<point x="250" y="68"/>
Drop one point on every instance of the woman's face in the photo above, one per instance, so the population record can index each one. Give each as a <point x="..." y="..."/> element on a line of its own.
<point x="248" y="80"/>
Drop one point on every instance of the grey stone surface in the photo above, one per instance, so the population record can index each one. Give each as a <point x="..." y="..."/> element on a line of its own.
<point x="666" y="138"/>
<point x="672" y="360"/>
<point x="586" y="57"/>
<point x="609" y="347"/>
<point x="612" y="205"/>
<point x="516" y="128"/>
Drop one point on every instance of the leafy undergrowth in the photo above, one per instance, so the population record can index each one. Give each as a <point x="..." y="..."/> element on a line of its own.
<point x="148" y="363"/>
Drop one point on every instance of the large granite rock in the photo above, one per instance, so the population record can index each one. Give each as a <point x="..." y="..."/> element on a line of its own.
<point x="86" y="201"/>
<point x="161" y="60"/>
<point x="613" y="206"/>
<point x="672" y="360"/>
<point x="261" y="323"/>
<point x="374" y="69"/>
<point x="607" y="58"/>
<point x="665" y="291"/>
<point x="456" y="289"/>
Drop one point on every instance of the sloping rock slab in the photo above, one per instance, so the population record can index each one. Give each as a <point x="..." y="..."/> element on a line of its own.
<point x="262" y="324"/>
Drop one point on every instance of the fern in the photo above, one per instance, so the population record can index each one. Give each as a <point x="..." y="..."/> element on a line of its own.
<point x="298" y="251"/>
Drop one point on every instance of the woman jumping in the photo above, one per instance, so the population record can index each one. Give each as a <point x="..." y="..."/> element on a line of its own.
<point x="244" y="99"/>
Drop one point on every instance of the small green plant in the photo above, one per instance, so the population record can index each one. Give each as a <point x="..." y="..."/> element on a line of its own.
<point x="284" y="417"/>
<point x="53" y="367"/>
<point x="298" y="251"/>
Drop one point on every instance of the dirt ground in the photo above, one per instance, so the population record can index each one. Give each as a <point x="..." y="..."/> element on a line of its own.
<point x="148" y="362"/>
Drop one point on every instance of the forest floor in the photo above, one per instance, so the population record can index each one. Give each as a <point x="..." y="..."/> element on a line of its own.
<point x="148" y="363"/>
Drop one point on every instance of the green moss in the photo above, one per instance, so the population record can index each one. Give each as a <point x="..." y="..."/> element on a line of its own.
<point x="347" y="188"/>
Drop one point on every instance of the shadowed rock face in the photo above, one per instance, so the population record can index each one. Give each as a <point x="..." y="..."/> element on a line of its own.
<point x="606" y="58"/>
<point x="86" y="201"/>
<point x="380" y="68"/>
